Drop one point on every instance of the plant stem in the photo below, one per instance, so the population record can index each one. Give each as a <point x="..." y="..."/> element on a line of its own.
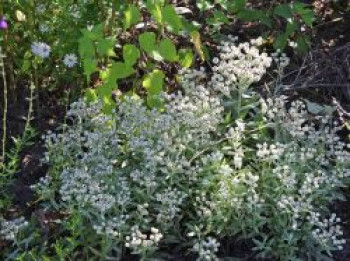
<point x="4" y="118"/>
<point x="30" y="108"/>
<point x="239" y="102"/>
<point x="36" y="83"/>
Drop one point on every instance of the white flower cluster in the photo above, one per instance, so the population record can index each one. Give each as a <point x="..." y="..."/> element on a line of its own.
<point x="238" y="67"/>
<point x="293" y="44"/>
<point x="43" y="183"/>
<point x="138" y="240"/>
<point x="207" y="249"/>
<point x="314" y="130"/>
<point x="327" y="230"/>
<point x="257" y="42"/>
<point x="235" y="136"/>
<point x="189" y="165"/>
<point x="171" y="200"/>
<point x="281" y="59"/>
<point x="43" y="186"/>
<point x="270" y="152"/>
<point x="110" y="227"/>
<point x="10" y="228"/>
<point x="112" y="158"/>
<point x="75" y="12"/>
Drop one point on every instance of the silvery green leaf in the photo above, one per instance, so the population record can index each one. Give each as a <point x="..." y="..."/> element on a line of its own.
<point x="313" y="107"/>
<point x="329" y="109"/>
<point x="228" y="104"/>
<point x="246" y="96"/>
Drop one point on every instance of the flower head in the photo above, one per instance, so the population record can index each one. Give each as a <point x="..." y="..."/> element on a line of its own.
<point x="70" y="60"/>
<point x="44" y="28"/>
<point x="40" y="9"/>
<point x="3" y="24"/>
<point x="75" y="12"/>
<point x="41" y="49"/>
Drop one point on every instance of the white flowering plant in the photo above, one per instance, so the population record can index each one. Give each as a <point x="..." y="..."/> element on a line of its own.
<point x="216" y="161"/>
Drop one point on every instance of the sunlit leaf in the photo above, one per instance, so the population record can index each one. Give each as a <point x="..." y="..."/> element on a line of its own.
<point x="130" y="54"/>
<point x="172" y="19"/>
<point x="132" y="16"/>
<point x="105" y="46"/>
<point x="121" y="70"/>
<point x="185" y="57"/>
<point x="86" y="47"/>
<point x="167" y="50"/>
<point x="91" y="95"/>
<point x="90" y="66"/>
<point x="155" y="10"/>
<point x="204" y="5"/>
<point x="196" y="40"/>
<point x="147" y="41"/>
<point x="108" y="105"/>
<point x="95" y="34"/>
<point x="153" y="83"/>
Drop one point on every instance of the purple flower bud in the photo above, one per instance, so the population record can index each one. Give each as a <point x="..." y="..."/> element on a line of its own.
<point x="3" y="24"/>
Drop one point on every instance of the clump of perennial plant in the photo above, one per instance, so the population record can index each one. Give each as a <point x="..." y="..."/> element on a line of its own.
<point x="10" y="228"/>
<point x="216" y="161"/>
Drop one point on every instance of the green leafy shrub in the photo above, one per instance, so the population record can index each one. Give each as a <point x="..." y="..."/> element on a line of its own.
<point x="152" y="43"/>
<point x="286" y="23"/>
<point x="216" y="161"/>
<point x="124" y="40"/>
